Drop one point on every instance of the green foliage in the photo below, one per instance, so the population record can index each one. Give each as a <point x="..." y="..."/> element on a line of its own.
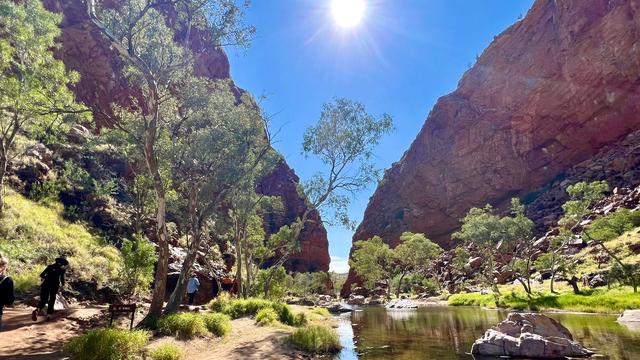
<point x="237" y="308"/>
<point x="372" y="260"/>
<point x="611" y="226"/>
<point x="139" y="257"/>
<point x="310" y="283"/>
<point x="582" y="195"/>
<point x="416" y="253"/>
<point x="33" y="235"/>
<point x="108" y="344"/>
<point x="217" y="324"/>
<point x="316" y="339"/>
<point x="166" y="351"/>
<point x="266" y="316"/>
<point x="343" y="139"/>
<point x="183" y="325"/>
<point x="277" y="280"/>
<point x="601" y="300"/>
<point x="34" y="92"/>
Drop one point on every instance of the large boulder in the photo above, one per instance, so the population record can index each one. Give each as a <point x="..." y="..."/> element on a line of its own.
<point x="630" y="319"/>
<point x="529" y="335"/>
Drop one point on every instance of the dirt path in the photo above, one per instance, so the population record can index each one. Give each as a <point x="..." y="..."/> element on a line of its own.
<point x="21" y="338"/>
<point x="246" y="341"/>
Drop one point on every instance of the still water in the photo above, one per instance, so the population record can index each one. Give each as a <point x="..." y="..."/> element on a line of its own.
<point x="443" y="333"/>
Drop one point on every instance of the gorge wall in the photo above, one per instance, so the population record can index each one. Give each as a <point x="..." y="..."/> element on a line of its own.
<point x="547" y="94"/>
<point x="102" y="86"/>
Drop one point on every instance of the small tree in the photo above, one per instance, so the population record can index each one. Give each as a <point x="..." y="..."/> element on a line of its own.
<point x="139" y="256"/>
<point x="582" y="195"/>
<point x="415" y="255"/>
<point x="34" y="93"/>
<point x="608" y="228"/>
<point x="484" y="230"/>
<point x="553" y="261"/>
<point x="373" y="260"/>
<point x="518" y="232"/>
<point x="342" y="140"/>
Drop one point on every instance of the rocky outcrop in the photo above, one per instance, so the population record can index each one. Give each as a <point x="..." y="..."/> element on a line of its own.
<point x="547" y="94"/>
<point x="529" y="336"/>
<point x="630" y="319"/>
<point x="314" y="246"/>
<point x="102" y="86"/>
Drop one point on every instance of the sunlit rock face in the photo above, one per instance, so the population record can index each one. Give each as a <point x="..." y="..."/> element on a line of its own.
<point x="102" y="86"/>
<point x="547" y="94"/>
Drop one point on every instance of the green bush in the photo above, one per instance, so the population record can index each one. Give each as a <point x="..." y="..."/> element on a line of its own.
<point x="218" y="324"/>
<point x="316" y="339"/>
<point x="183" y="325"/>
<point x="166" y="351"/>
<point x="26" y="281"/>
<point x="266" y="316"/>
<point x="237" y="308"/>
<point x="108" y="344"/>
<point x="136" y="274"/>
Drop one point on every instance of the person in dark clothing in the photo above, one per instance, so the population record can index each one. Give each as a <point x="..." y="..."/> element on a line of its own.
<point x="52" y="280"/>
<point x="7" y="296"/>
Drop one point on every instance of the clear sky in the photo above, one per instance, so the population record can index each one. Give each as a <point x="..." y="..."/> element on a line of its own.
<point x="399" y="59"/>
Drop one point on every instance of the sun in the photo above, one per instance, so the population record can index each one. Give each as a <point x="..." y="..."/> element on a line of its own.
<point x="347" y="13"/>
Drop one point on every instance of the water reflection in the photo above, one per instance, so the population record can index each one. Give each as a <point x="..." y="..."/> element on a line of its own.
<point x="447" y="333"/>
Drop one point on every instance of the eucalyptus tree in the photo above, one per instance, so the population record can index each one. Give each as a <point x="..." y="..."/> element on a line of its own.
<point x="373" y="260"/>
<point x="218" y="143"/>
<point x="34" y="93"/>
<point x="414" y="255"/>
<point x="342" y="141"/>
<point x="158" y="59"/>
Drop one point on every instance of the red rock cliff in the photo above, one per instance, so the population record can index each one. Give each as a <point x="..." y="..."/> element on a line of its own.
<point x="546" y="94"/>
<point x="101" y="86"/>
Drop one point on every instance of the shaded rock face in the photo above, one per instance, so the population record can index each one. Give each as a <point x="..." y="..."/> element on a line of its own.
<point x="314" y="246"/>
<point x="546" y="94"/>
<point x="530" y="336"/>
<point x="102" y="86"/>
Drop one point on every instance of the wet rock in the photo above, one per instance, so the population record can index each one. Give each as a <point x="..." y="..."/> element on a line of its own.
<point x="401" y="304"/>
<point x="529" y="335"/>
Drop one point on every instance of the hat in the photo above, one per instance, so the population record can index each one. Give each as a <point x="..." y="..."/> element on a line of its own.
<point x="62" y="261"/>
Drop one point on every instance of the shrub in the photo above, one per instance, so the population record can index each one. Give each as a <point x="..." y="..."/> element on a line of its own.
<point x="166" y="351"/>
<point x="316" y="340"/>
<point x="237" y="308"/>
<point x="218" y="324"/>
<point x="266" y="316"/>
<point x="183" y="325"/>
<point x="136" y="274"/>
<point x="220" y="303"/>
<point x="108" y="344"/>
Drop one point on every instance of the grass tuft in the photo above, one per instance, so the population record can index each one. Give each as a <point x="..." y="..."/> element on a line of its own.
<point x="183" y="325"/>
<point x="316" y="339"/>
<point x="237" y="308"/>
<point x="217" y="323"/>
<point x="108" y="344"/>
<point x="266" y="316"/>
<point x="166" y="351"/>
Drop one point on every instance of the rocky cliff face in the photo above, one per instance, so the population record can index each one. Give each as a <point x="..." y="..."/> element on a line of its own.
<point x="313" y="255"/>
<point x="547" y="94"/>
<point x="102" y="86"/>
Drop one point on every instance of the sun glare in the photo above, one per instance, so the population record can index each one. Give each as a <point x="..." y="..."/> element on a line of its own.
<point x="347" y="13"/>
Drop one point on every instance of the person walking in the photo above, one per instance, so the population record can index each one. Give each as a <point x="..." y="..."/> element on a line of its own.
<point x="52" y="281"/>
<point x="192" y="287"/>
<point x="7" y="296"/>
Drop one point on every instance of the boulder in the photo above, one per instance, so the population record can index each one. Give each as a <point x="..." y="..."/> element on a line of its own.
<point x="529" y="335"/>
<point x="630" y="319"/>
<point x="401" y="304"/>
<point x="356" y="300"/>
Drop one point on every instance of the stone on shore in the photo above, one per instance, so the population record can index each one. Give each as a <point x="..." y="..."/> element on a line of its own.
<point x="401" y="304"/>
<point x="630" y="319"/>
<point x="529" y="335"/>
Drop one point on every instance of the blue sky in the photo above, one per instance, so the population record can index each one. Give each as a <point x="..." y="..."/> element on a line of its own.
<point x="400" y="59"/>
